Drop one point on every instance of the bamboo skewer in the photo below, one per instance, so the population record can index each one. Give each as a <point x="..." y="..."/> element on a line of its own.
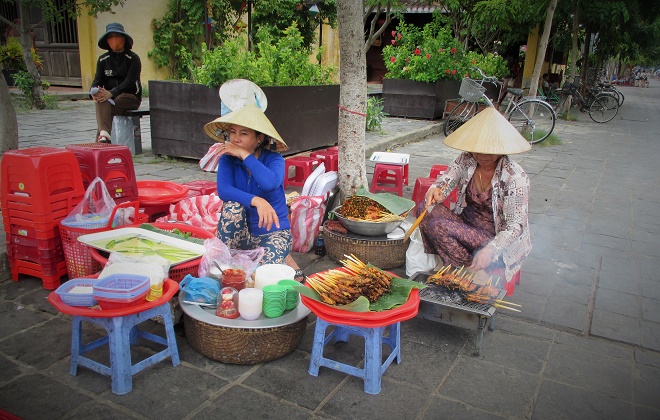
<point x="419" y="219"/>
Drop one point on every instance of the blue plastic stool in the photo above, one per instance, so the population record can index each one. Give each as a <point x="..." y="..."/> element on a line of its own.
<point x="122" y="333"/>
<point x="374" y="367"/>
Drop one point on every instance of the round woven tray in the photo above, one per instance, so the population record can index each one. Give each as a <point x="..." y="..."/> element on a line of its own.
<point x="243" y="346"/>
<point x="381" y="253"/>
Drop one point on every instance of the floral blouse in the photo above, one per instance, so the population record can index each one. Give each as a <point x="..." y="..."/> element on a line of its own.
<point x="510" y="202"/>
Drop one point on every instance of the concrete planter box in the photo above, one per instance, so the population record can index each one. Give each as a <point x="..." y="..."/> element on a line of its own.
<point x="305" y="116"/>
<point x="409" y="98"/>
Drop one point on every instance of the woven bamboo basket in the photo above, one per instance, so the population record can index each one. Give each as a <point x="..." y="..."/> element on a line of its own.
<point x="383" y="254"/>
<point x="243" y="346"/>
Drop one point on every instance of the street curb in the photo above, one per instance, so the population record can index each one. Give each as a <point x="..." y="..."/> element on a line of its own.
<point x="411" y="136"/>
<point x="80" y="96"/>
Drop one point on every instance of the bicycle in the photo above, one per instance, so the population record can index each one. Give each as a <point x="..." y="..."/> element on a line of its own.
<point x="602" y="106"/>
<point x="534" y="118"/>
<point x="610" y="88"/>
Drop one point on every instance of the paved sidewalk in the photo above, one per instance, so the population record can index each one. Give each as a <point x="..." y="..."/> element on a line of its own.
<point x="587" y="344"/>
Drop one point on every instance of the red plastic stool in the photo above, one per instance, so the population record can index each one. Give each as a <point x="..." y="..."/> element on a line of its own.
<point x="303" y="168"/>
<point x="333" y="149"/>
<point x="330" y="159"/>
<point x="422" y="185"/>
<point x="437" y="170"/>
<point x="391" y="175"/>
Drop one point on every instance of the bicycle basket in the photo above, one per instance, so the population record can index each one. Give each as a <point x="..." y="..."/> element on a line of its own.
<point x="471" y="90"/>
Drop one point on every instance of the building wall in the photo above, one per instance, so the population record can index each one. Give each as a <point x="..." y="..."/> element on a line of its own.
<point x="136" y="16"/>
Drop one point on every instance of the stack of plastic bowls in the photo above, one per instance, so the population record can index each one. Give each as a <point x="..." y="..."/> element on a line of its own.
<point x="274" y="300"/>
<point x="292" y="296"/>
<point x="271" y="274"/>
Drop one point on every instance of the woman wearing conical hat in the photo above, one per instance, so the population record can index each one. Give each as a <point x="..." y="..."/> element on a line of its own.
<point x="488" y="227"/>
<point x="251" y="183"/>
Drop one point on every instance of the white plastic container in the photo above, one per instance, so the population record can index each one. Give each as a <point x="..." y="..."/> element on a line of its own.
<point x="271" y="274"/>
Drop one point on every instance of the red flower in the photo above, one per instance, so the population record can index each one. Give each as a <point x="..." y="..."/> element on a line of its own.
<point x="407" y="59"/>
<point x="417" y="51"/>
<point x="453" y="71"/>
<point x="428" y="56"/>
<point x="474" y="62"/>
<point x="398" y="36"/>
<point x="393" y="33"/>
<point x="453" y="50"/>
<point x="393" y="42"/>
<point x="441" y="50"/>
<point x="447" y="71"/>
<point x="392" y="59"/>
<point x="467" y="74"/>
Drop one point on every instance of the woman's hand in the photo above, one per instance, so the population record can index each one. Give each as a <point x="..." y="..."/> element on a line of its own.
<point x="102" y="95"/>
<point x="433" y="195"/>
<point x="267" y="215"/>
<point x="231" y="149"/>
<point x="483" y="258"/>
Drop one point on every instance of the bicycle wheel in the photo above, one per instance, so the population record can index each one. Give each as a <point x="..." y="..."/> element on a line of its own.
<point x="603" y="108"/>
<point x="459" y="115"/>
<point x="534" y="119"/>
<point x="619" y="95"/>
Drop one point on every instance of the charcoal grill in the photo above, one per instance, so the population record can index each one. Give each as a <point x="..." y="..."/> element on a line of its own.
<point x="439" y="304"/>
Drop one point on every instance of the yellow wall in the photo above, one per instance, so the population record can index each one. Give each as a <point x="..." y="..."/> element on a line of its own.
<point x="136" y="17"/>
<point x="530" y="56"/>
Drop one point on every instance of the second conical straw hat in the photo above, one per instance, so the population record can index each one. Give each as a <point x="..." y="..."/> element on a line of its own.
<point x="490" y="133"/>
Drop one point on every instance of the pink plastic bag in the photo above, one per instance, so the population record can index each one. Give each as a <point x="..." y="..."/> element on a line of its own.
<point x="306" y="218"/>
<point x="202" y="211"/>
<point x="217" y="252"/>
<point x="209" y="162"/>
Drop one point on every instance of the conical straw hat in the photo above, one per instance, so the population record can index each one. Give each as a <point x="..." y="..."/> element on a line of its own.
<point x="490" y="133"/>
<point x="249" y="116"/>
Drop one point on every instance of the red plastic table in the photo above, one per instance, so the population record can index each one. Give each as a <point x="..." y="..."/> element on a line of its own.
<point x="121" y="326"/>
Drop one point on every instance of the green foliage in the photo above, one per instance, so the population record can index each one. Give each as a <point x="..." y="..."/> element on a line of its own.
<point x="273" y="62"/>
<point x="179" y="34"/>
<point x="375" y="114"/>
<point x="24" y="82"/>
<point x="490" y="64"/>
<point x="432" y="53"/>
<point x="275" y="16"/>
<point x="425" y="55"/>
<point x="11" y="56"/>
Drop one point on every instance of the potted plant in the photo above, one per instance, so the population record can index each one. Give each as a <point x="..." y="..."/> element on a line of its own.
<point x="302" y="101"/>
<point x="425" y="67"/>
<point x="11" y="59"/>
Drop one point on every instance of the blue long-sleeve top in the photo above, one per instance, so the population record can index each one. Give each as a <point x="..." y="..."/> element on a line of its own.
<point x="241" y="180"/>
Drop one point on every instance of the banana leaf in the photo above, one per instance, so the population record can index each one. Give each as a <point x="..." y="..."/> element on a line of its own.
<point x="153" y="228"/>
<point x="397" y="296"/>
<point x="392" y="202"/>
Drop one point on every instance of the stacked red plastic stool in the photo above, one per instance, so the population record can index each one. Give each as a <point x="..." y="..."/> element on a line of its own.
<point x="390" y="172"/>
<point x="112" y="163"/>
<point x="330" y="158"/>
<point x="303" y="167"/>
<point x="40" y="187"/>
<point x="422" y="185"/>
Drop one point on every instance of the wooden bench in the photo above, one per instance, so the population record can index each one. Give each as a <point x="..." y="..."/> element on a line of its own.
<point x="134" y="135"/>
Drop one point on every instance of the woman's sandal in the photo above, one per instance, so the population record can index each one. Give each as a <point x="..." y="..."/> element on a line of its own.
<point x="104" y="137"/>
<point x="299" y="276"/>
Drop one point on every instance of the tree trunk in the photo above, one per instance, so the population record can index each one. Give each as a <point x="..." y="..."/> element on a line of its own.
<point x="352" y="97"/>
<point x="574" y="42"/>
<point x="8" y="122"/>
<point x="540" y="54"/>
<point x="26" y="44"/>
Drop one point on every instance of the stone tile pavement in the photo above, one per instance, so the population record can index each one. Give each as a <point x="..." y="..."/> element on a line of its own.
<point x="587" y="344"/>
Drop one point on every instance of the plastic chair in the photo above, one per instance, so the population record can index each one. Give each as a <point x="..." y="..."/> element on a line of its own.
<point x="388" y="177"/>
<point x="422" y="185"/>
<point x="437" y="170"/>
<point x="121" y="326"/>
<point x="303" y="168"/>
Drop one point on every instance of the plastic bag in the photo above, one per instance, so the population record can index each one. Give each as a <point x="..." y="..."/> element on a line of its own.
<point x="202" y="211"/>
<point x="209" y="162"/>
<point x="217" y="252"/>
<point x="416" y="258"/>
<point x="306" y="218"/>
<point x="95" y="209"/>
<point x="200" y="289"/>
<point x="125" y="130"/>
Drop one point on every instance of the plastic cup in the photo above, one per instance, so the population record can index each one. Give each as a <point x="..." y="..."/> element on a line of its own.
<point x="250" y="302"/>
<point x="292" y="296"/>
<point x="274" y="300"/>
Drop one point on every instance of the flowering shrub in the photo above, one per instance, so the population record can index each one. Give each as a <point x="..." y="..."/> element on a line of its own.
<point x="432" y="53"/>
